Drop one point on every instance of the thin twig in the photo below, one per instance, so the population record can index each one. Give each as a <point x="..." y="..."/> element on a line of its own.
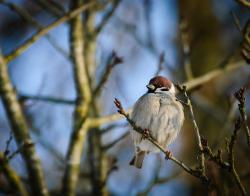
<point x="158" y="181"/>
<point x="236" y="22"/>
<point x="24" y="97"/>
<point x="112" y="62"/>
<point x="19" y="50"/>
<point x="245" y="44"/>
<point x="183" y="89"/>
<point x="20" y="131"/>
<point x="27" y="17"/>
<point x="18" y="187"/>
<point x="107" y="17"/>
<point x="160" y="64"/>
<point x="51" y="6"/>
<point x="240" y="96"/>
<point x="216" y="158"/>
<point x="7" y="150"/>
<point x="245" y="3"/>
<point x="110" y="145"/>
<point x="231" y="157"/>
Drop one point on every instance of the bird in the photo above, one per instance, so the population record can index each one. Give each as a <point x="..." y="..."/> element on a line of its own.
<point x="160" y="114"/>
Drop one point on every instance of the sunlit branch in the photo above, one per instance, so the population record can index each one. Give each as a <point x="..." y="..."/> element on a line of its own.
<point x="20" y="131"/>
<point x="12" y="177"/>
<point x="244" y="3"/>
<point x="96" y="122"/>
<point x="19" y="50"/>
<point x="197" y="131"/>
<point x="83" y="91"/>
<point x="27" y="17"/>
<point x="199" y="81"/>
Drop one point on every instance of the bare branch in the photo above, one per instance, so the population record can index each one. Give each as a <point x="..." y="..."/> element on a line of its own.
<point x="158" y="181"/>
<point x="83" y="91"/>
<point x="183" y="89"/>
<point x="14" y="180"/>
<point x="112" y="62"/>
<point x="244" y="3"/>
<point x="19" y="50"/>
<point x="199" y="81"/>
<point x="51" y="6"/>
<point x="25" y="97"/>
<point x="96" y="122"/>
<point x="217" y="158"/>
<point x="240" y="96"/>
<point x="110" y="145"/>
<point x="245" y="44"/>
<point x="160" y="64"/>
<point x="27" y="17"/>
<point x="230" y="165"/>
<point x="107" y="17"/>
<point x="231" y="157"/>
<point x="20" y="130"/>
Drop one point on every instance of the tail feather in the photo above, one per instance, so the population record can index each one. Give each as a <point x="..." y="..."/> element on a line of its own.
<point x="138" y="159"/>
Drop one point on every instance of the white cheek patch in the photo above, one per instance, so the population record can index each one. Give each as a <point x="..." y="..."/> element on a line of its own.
<point x="172" y="89"/>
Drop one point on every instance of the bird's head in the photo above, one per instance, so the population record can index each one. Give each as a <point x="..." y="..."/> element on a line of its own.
<point x="160" y="84"/>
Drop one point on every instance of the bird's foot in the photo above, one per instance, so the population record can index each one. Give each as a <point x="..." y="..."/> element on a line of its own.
<point x="168" y="154"/>
<point x="145" y="134"/>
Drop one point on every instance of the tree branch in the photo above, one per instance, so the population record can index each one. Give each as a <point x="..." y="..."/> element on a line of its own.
<point x="112" y="62"/>
<point x="231" y="157"/>
<point x="110" y="145"/>
<point x="82" y="104"/>
<point x="71" y="14"/>
<point x="199" y="81"/>
<point x="20" y="130"/>
<point x="14" y="180"/>
<point x="24" y="97"/>
<point x="183" y="89"/>
<point x="245" y="3"/>
<point x="27" y="17"/>
<point x="106" y="18"/>
<point x="96" y="122"/>
<point x="240" y="96"/>
<point x="53" y="7"/>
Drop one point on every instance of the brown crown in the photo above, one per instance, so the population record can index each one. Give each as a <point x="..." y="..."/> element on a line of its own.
<point x="160" y="81"/>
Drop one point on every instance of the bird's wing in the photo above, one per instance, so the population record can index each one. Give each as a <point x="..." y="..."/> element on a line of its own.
<point x="143" y="113"/>
<point x="169" y="121"/>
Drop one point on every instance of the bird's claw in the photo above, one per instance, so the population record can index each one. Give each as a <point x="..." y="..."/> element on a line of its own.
<point x="145" y="134"/>
<point x="168" y="154"/>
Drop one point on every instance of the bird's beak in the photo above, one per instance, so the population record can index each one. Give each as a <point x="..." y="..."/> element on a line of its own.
<point x="151" y="87"/>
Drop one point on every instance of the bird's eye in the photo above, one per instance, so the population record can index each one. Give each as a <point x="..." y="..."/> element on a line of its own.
<point x="165" y="89"/>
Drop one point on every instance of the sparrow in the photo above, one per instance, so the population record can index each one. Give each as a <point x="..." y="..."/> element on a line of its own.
<point x="160" y="114"/>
